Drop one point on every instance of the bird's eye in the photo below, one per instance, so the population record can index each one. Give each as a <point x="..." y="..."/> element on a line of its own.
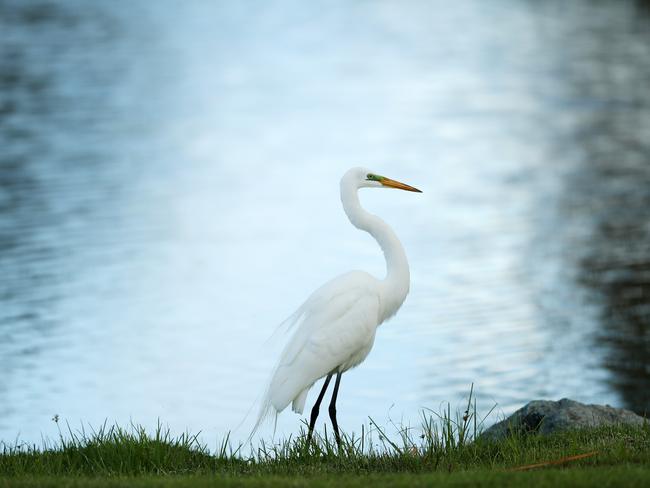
<point x="370" y="176"/>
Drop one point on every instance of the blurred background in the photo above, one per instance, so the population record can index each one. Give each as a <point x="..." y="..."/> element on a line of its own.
<point x="169" y="194"/>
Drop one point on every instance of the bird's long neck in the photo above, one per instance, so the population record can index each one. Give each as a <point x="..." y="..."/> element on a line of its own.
<point x="396" y="284"/>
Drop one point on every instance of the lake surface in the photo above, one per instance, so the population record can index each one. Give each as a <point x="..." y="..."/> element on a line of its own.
<point x="169" y="194"/>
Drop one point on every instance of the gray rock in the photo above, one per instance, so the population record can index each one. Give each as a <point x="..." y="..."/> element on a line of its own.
<point x="546" y="417"/>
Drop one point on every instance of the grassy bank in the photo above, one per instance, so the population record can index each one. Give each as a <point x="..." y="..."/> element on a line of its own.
<point x="443" y="453"/>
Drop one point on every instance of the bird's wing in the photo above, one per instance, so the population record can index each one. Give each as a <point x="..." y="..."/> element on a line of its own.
<point x="320" y="298"/>
<point x="334" y="329"/>
<point x="337" y="319"/>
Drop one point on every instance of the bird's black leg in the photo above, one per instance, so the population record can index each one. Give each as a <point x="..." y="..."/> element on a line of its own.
<point x="333" y="409"/>
<point x="315" y="409"/>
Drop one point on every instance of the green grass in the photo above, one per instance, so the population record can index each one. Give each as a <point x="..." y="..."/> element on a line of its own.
<point x="442" y="451"/>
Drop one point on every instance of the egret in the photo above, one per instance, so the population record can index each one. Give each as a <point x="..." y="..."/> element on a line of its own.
<point x="334" y="329"/>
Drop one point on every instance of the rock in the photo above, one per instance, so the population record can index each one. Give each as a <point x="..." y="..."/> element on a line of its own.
<point x="546" y="417"/>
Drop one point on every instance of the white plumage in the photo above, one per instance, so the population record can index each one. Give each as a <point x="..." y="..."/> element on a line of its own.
<point x="334" y="330"/>
<point x="335" y="333"/>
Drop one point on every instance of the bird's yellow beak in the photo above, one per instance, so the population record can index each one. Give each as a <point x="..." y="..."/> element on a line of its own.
<point x="397" y="184"/>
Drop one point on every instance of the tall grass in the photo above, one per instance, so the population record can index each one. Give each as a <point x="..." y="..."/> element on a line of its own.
<point x="112" y="450"/>
<point x="443" y="441"/>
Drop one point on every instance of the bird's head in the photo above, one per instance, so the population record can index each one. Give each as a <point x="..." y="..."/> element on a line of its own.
<point x="367" y="179"/>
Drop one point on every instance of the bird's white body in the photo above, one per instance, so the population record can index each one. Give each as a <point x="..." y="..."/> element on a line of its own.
<point x="334" y="330"/>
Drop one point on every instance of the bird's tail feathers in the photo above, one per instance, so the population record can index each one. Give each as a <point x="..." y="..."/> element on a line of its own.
<point x="248" y="412"/>
<point x="285" y="326"/>
<point x="266" y="410"/>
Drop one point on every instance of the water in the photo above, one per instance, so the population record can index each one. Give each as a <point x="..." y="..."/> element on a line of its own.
<point x="169" y="194"/>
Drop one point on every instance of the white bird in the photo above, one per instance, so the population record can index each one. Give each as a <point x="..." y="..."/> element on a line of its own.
<point x="334" y="329"/>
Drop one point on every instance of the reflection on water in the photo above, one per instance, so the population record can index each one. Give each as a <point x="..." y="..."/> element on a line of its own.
<point x="610" y="194"/>
<point x="606" y="195"/>
<point x="152" y="161"/>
